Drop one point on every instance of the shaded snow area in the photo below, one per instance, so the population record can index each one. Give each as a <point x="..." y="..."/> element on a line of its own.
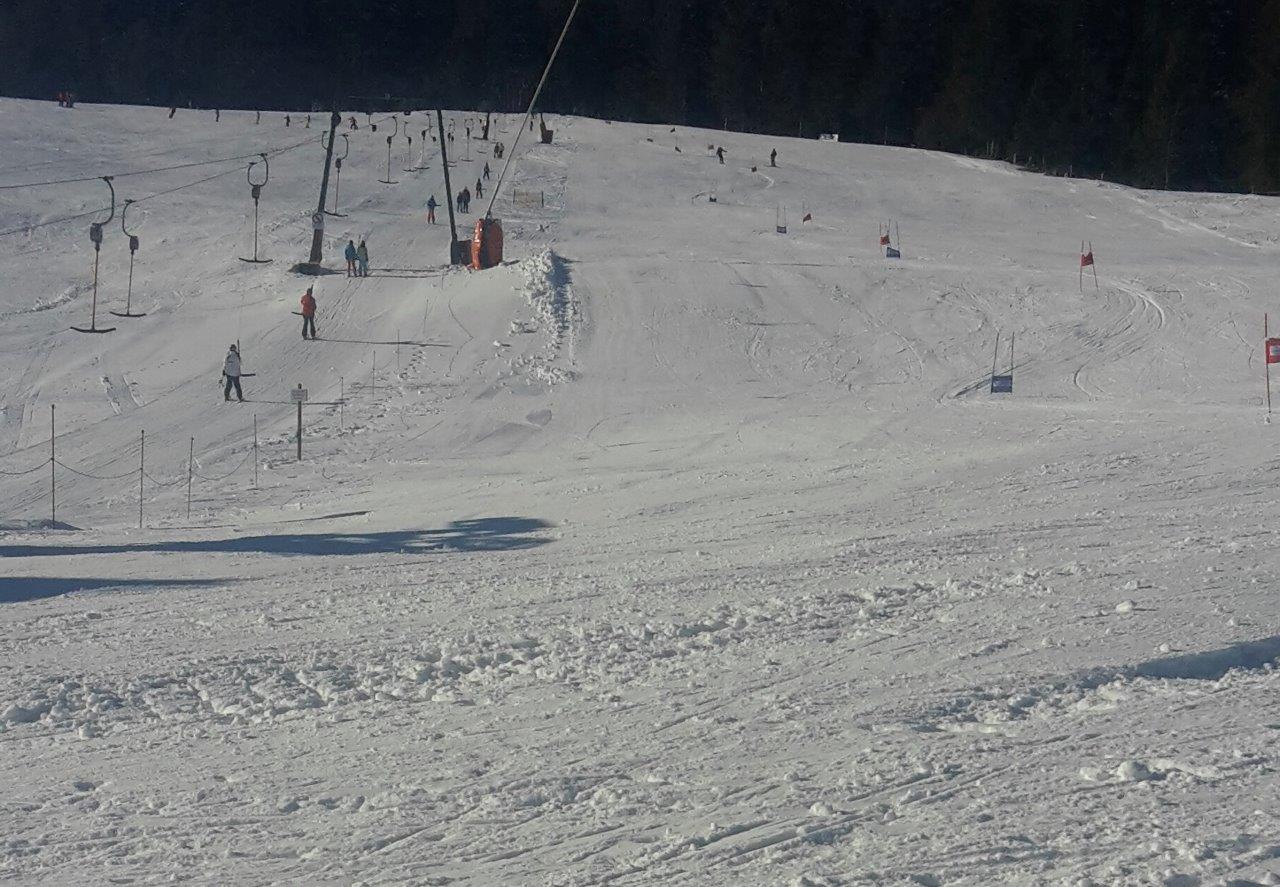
<point x="672" y="551"/>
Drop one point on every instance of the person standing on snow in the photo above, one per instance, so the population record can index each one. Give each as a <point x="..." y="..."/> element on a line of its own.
<point x="720" y="154"/>
<point x="486" y="171"/>
<point x="479" y="189"/>
<point x="308" y="314"/>
<point x="773" y="157"/>
<point x="231" y="375"/>
<point x="362" y="256"/>
<point x="351" y="255"/>
<point x="431" y="210"/>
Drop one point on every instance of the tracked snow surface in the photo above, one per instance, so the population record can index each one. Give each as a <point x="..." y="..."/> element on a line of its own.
<point x="673" y="551"/>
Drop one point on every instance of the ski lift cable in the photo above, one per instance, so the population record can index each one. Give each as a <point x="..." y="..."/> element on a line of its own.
<point x="93" y="212"/>
<point x="145" y="172"/>
<point x="528" y="114"/>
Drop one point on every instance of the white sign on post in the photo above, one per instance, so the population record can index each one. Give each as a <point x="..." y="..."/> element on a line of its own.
<point x="299" y="395"/>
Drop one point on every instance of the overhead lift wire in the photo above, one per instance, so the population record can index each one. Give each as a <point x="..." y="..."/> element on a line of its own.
<point x="144" y="172"/>
<point x="59" y="221"/>
<point x="528" y="115"/>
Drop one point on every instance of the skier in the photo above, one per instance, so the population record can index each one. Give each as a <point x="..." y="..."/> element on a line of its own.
<point x="231" y="375"/>
<point x="773" y="157"/>
<point x="257" y="119"/>
<point x="308" y="314"/>
<point x="486" y="172"/>
<point x="720" y="154"/>
<point x="479" y="189"/>
<point x="362" y="255"/>
<point x="217" y="115"/>
<point x="353" y="123"/>
<point x="431" y="210"/>
<point x="287" y="121"/>
<point x="173" y="110"/>
<point x="308" y="121"/>
<point x="351" y="255"/>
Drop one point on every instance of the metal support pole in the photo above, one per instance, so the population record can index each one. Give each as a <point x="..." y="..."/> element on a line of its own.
<point x="191" y="458"/>
<point x="53" y="463"/>
<point x="448" y="187"/>
<point x="255" y="229"/>
<point x="255" y="450"/>
<point x="142" y="469"/>
<point x="299" y="427"/>
<point x="317" y="236"/>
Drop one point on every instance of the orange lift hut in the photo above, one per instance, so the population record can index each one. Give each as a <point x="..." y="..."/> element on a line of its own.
<point x="486" y="244"/>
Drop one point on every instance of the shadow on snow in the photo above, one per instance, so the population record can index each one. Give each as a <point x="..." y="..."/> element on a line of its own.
<point x="16" y="589"/>
<point x="480" y="534"/>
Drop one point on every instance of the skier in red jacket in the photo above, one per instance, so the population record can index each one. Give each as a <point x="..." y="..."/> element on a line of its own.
<point x="308" y="314"/>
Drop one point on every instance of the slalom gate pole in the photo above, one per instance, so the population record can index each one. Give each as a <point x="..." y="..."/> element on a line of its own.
<point x="1094" y="266"/>
<point x="995" y="358"/>
<point x="1012" y="339"/>
<point x="191" y="456"/>
<point x="53" y="463"/>
<point x="342" y="399"/>
<point x="142" y="467"/>
<point x="1082" y="266"/>
<point x="1266" y="363"/>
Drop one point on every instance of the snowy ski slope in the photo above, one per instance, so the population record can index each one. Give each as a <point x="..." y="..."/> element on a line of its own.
<point x="674" y="551"/>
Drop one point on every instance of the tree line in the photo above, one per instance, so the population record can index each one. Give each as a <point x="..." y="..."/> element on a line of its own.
<point x="1184" y="93"/>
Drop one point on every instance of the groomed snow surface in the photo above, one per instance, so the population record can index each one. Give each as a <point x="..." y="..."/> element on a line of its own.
<point x="673" y="551"/>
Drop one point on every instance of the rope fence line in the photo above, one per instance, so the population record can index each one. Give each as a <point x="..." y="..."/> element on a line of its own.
<point x="43" y="465"/>
<point x="61" y="464"/>
<point x="141" y="477"/>
<point x="239" y="465"/>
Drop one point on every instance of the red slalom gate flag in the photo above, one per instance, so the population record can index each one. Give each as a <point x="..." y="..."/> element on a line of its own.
<point x="1086" y="259"/>
<point x="1273" y="350"/>
<point x="884" y="239"/>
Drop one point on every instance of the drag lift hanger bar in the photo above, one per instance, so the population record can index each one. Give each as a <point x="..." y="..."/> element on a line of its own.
<point x="95" y="235"/>
<point x="387" y="180"/>
<point x="255" y="189"/>
<point x="133" y="250"/>
<point x="346" y="151"/>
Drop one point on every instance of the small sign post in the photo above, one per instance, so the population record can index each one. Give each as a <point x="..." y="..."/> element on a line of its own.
<point x="1273" y="356"/>
<point x="299" y="396"/>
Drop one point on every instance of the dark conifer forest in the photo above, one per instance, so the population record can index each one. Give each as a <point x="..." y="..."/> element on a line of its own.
<point x="1153" y="92"/>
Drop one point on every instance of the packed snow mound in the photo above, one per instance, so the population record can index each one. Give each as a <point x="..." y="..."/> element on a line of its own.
<point x="673" y="549"/>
